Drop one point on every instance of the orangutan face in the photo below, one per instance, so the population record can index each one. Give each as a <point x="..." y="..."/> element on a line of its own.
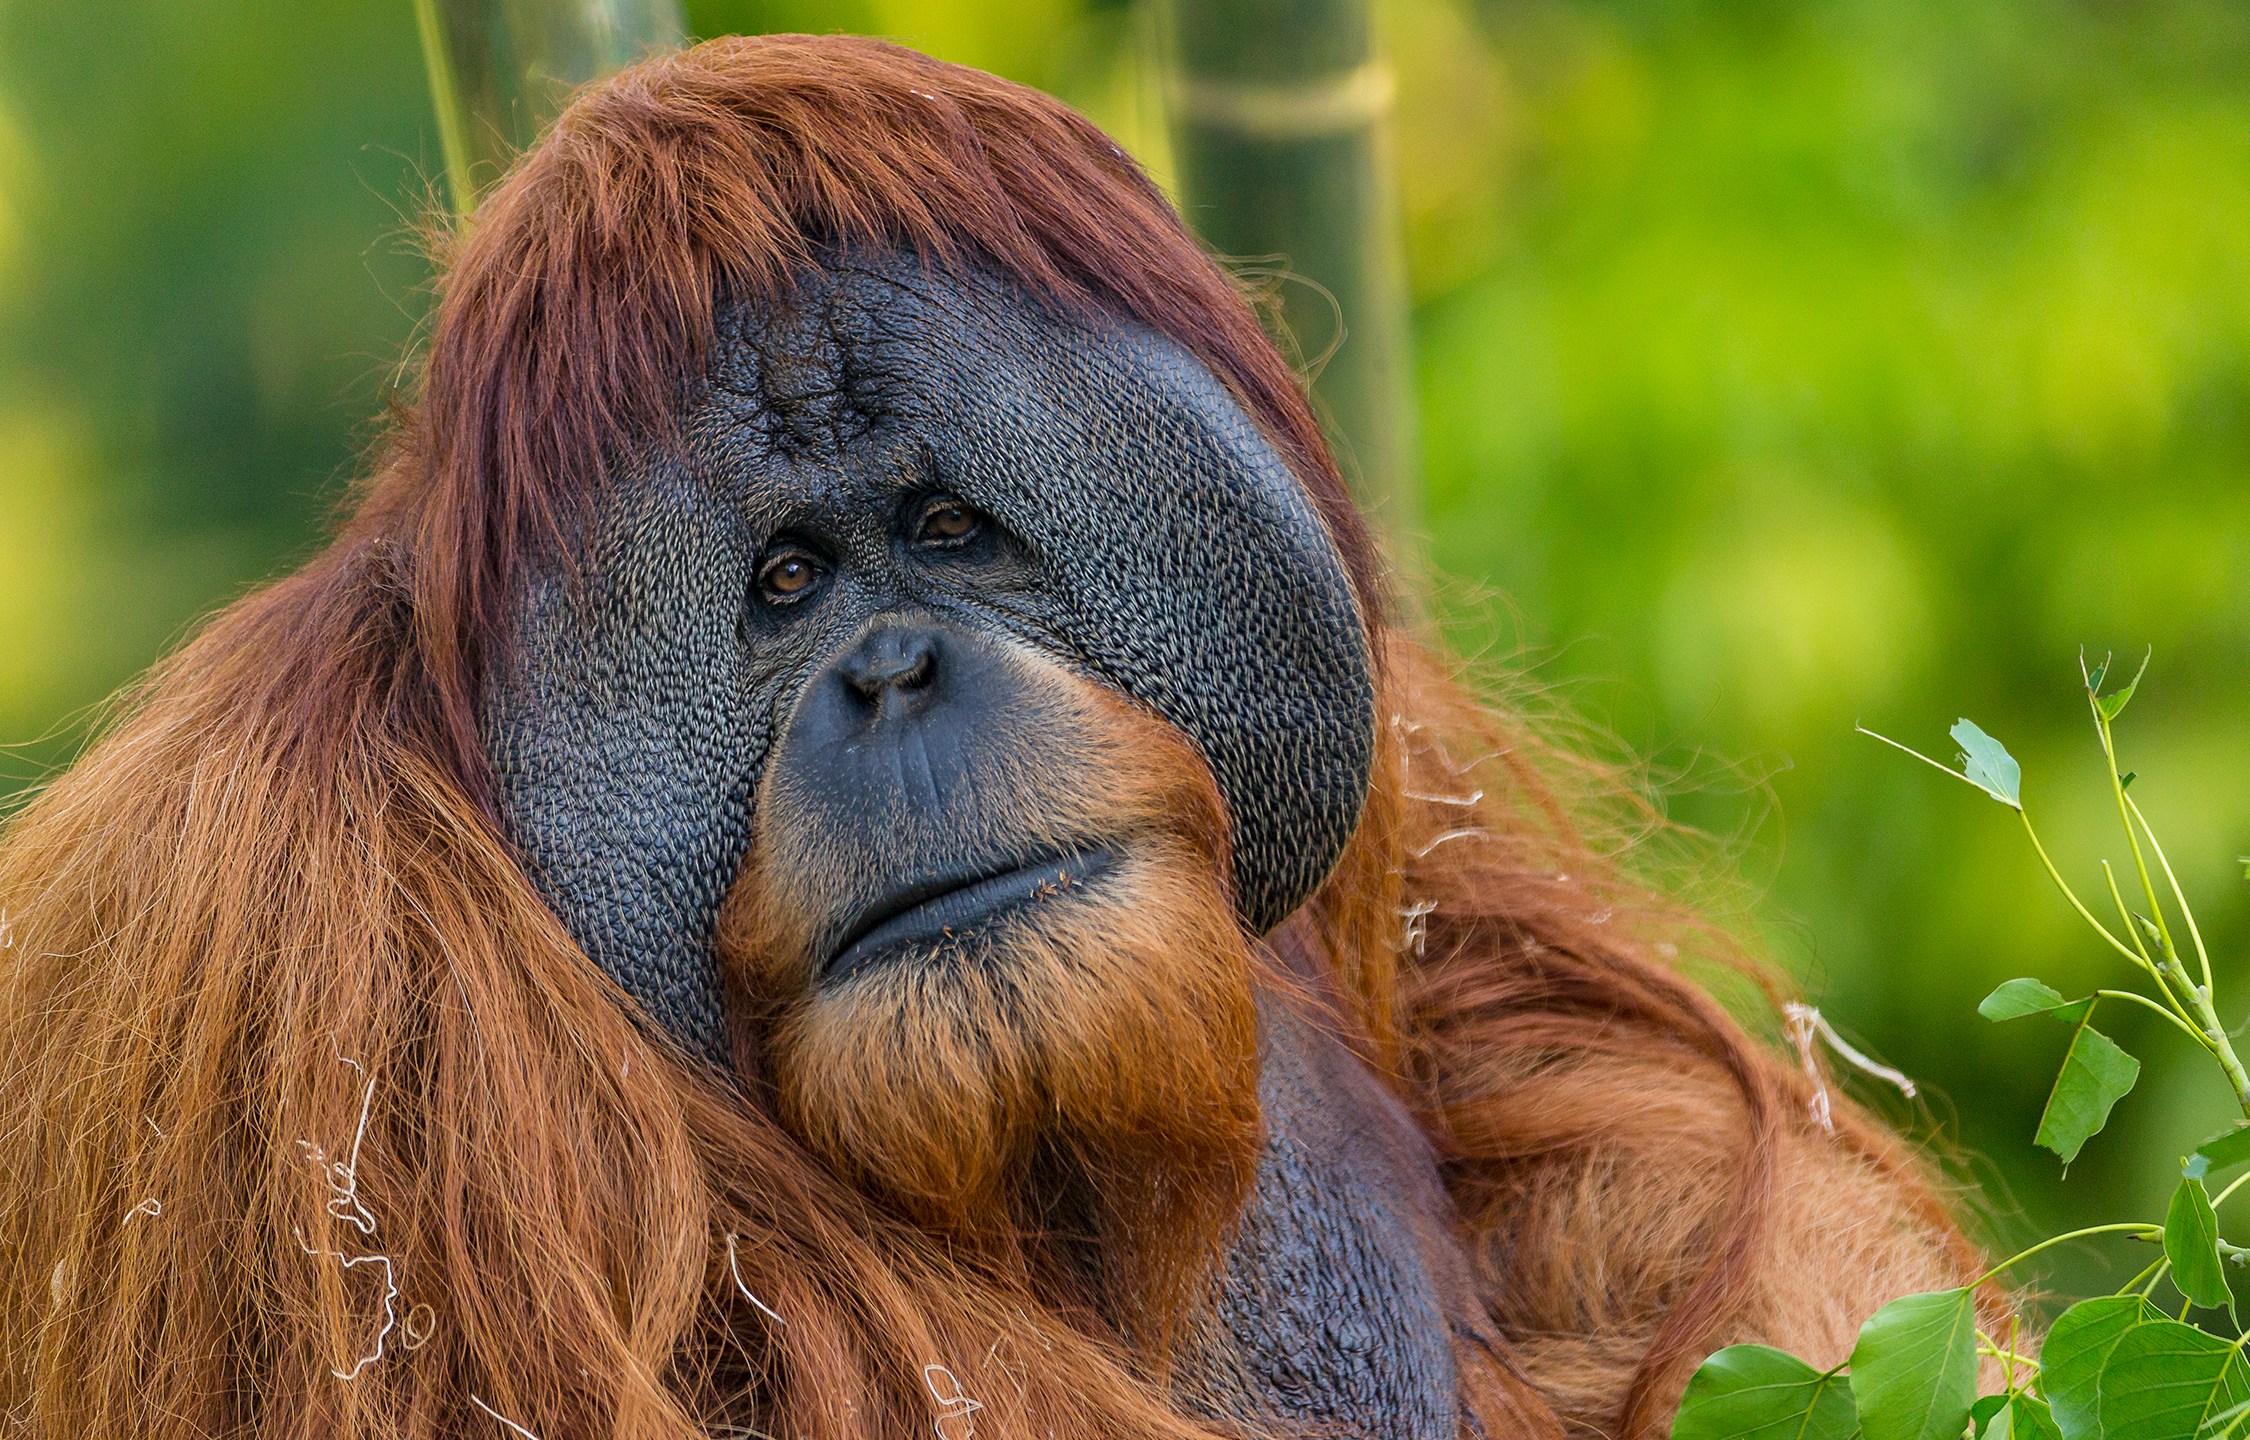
<point x="1006" y="678"/>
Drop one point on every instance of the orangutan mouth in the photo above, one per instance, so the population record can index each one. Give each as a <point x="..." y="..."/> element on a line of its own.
<point x="940" y="909"/>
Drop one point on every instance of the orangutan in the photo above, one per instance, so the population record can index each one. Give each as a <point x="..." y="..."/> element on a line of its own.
<point x="847" y="840"/>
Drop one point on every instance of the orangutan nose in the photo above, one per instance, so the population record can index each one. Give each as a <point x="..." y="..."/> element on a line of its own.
<point x="890" y="661"/>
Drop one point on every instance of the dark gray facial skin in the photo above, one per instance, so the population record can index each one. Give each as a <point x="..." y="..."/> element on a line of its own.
<point x="1142" y="532"/>
<point x="1137" y="530"/>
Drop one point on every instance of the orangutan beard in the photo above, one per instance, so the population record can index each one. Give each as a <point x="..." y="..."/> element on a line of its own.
<point x="1072" y="1090"/>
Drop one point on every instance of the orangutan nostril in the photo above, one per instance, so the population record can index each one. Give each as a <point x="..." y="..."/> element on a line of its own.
<point x="890" y="660"/>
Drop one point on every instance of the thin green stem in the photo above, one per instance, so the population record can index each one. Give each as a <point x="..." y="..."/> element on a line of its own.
<point x="2163" y="1268"/>
<point x="446" y="95"/>
<point x="2199" y="996"/>
<point x="2204" y="1014"/>
<point x="2223" y="1048"/>
<point x="2070" y="894"/>
<point x="2202" y="956"/>
<point x="2203" y="1017"/>
<point x="2164" y="986"/>
<point x="2008" y="1356"/>
<point x="2174" y="1016"/>
<point x="2005" y="1355"/>
<point x="1988" y="1345"/>
<point x="2233" y="1185"/>
<point x="2137" y="1227"/>
<point x="2125" y="818"/>
<point x="2147" y="1273"/>
<point x="1910" y="750"/>
<point x="2125" y="920"/>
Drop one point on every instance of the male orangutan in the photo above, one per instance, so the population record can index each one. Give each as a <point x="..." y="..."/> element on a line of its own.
<point x="844" y="843"/>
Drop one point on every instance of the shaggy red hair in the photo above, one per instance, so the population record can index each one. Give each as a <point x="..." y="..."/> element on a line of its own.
<point x="284" y="1027"/>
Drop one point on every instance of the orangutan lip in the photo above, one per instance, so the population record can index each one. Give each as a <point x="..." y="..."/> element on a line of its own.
<point x="951" y="906"/>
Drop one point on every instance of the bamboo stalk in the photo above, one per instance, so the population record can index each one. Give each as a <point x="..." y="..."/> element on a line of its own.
<point x="1280" y="117"/>
<point x="500" y="70"/>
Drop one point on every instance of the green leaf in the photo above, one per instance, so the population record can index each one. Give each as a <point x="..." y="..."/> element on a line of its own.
<point x="2015" y="999"/>
<point x="2078" y="1345"/>
<point x="1981" y="1413"/>
<point x="2017" y="1416"/>
<point x="2168" y="1381"/>
<point x="1986" y="764"/>
<point x="2227" y="1423"/>
<point x="2024" y="1417"/>
<point x="2125" y="781"/>
<point x="2191" y="1243"/>
<point x="2095" y="1075"/>
<point x="2220" y="1151"/>
<point x="1753" y="1392"/>
<point x="1914" y="1370"/>
<point x="2113" y="705"/>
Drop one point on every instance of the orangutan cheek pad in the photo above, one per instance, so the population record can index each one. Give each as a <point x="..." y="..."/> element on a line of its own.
<point x="1153" y="541"/>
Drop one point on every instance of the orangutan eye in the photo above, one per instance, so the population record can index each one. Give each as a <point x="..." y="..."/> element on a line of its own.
<point x="787" y="575"/>
<point x="946" y="521"/>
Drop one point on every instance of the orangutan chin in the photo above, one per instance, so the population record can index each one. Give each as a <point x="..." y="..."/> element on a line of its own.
<point x="846" y="842"/>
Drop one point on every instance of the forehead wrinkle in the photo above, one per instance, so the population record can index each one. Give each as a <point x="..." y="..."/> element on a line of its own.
<point x="845" y="495"/>
<point x="787" y="372"/>
<point x="875" y="342"/>
<point x="836" y="400"/>
<point x="967" y="348"/>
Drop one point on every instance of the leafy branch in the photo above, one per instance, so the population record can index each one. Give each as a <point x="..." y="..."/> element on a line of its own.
<point x="2113" y="1367"/>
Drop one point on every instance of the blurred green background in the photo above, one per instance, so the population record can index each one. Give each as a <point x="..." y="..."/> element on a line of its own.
<point x="1780" y="365"/>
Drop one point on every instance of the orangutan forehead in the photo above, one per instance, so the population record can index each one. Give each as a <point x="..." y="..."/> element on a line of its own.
<point x="878" y="370"/>
<point x="813" y="374"/>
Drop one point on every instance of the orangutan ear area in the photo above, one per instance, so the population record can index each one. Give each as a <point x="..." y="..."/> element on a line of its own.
<point x="318" y="1119"/>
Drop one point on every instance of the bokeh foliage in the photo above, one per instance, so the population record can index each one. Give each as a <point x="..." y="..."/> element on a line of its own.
<point x="1780" y="364"/>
